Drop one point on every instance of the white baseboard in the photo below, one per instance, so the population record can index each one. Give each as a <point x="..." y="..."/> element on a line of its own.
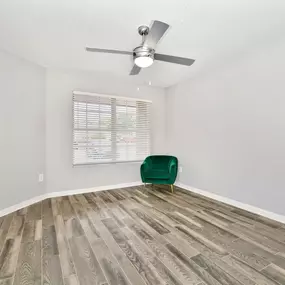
<point x="22" y="204"/>
<point x="40" y="198"/>
<point x="253" y="209"/>
<point x="93" y="189"/>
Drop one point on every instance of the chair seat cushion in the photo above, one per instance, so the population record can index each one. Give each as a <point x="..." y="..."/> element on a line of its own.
<point x="157" y="174"/>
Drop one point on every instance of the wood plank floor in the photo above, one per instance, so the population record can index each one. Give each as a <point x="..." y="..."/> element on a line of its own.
<point x="140" y="236"/>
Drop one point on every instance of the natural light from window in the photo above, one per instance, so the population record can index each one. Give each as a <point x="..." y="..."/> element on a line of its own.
<point x="110" y="129"/>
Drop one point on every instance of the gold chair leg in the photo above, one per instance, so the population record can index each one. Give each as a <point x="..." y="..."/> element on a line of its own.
<point x="144" y="188"/>
<point x="171" y="186"/>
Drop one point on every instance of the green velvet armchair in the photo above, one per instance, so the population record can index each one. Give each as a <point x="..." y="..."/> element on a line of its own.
<point x="159" y="169"/>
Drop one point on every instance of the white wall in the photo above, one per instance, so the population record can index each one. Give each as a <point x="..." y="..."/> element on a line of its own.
<point x="60" y="173"/>
<point x="22" y="125"/>
<point x="228" y="129"/>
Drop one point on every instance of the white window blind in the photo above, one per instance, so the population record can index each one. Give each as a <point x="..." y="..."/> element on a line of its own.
<point x="109" y="129"/>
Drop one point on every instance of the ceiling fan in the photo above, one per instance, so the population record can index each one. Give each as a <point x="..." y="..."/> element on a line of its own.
<point x="145" y="54"/>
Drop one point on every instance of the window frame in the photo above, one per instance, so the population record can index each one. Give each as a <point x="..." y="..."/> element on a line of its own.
<point x="113" y="130"/>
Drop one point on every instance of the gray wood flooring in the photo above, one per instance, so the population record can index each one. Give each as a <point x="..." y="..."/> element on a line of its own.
<point x="140" y="236"/>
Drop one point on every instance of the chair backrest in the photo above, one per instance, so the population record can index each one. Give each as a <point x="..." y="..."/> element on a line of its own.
<point x="160" y="161"/>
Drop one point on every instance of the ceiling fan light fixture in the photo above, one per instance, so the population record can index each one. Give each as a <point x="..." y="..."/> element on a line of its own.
<point x="144" y="54"/>
<point x="143" y="61"/>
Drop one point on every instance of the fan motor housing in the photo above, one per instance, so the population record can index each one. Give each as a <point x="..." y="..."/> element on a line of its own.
<point x="143" y="51"/>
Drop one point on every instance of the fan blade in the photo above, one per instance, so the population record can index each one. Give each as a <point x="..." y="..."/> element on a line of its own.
<point x="135" y="70"/>
<point x="156" y="32"/>
<point x="109" y="51"/>
<point x="174" y="59"/>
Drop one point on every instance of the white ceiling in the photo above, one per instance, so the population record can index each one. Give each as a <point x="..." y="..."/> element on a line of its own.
<point x="53" y="33"/>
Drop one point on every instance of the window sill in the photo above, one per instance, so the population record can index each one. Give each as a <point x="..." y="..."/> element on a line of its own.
<point x="106" y="163"/>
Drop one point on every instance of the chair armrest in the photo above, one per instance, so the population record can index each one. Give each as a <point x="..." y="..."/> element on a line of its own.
<point x="145" y="166"/>
<point x="172" y="167"/>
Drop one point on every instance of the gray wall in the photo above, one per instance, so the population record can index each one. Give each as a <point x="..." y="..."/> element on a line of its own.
<point x="228" y="129"/>
<point x="22" y="125"/>
<point x="60" y="173"/>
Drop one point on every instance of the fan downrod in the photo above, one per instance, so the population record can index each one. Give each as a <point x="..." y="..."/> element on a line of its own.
<point x="143" y="30"/>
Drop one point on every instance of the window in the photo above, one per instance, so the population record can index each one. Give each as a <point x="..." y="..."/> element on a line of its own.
<point x="109" y="129"/>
